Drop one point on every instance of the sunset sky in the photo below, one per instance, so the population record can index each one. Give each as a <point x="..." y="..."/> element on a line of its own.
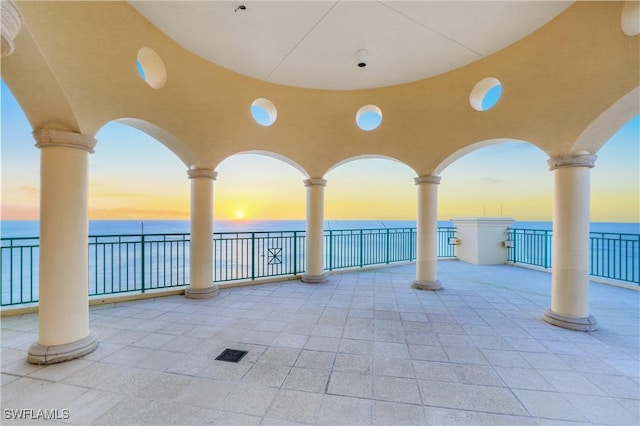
<point x="134" y="177"/>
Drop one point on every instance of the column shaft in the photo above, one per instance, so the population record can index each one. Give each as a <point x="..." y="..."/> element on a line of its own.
<point x="315" y="232"/>
<point x="63" y="291"/>
<point x="201" y="247"/>
<point x="570" y="273"/>
<point x="427" y="234"/>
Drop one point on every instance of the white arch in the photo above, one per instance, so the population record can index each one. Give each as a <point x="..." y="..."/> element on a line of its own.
<point x="600" y="130"/>
<point x="275" y="155"/>
<point x="368" y="157"/>
<point x="175" y="145"/>
<point x="471" y="148"/>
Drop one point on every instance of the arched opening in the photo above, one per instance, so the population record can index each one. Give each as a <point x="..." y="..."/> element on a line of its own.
<point x="132" y="177"/>
<point x="370" y="212"/>
<point x="259" y="191"/>
<point x="139" y="211"/>
<point x="371" y="191"/>
<point x="615" y="179"/>
<point x="135" y="178"/>
<point x="20" y="171"/>
<point x="496" y="178"/>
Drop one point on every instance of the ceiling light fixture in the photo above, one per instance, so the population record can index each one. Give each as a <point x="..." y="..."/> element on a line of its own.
<point x="362" y="58"/>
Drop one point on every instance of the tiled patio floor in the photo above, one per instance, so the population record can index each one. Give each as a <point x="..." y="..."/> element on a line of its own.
<point x="363" y="348"/>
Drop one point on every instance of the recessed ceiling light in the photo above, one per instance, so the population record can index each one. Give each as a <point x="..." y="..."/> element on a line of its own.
<point x="362" y="58"/>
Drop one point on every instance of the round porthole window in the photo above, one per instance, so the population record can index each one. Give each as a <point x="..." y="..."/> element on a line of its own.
<point x="151" y="68"/>
<point x="264" y="112"/>
<point x="630" y="18"/>
<point x="369" y="117"/>
<point x="486" y="94"/>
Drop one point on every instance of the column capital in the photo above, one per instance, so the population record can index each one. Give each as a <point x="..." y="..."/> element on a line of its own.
<point x="11" y="23"/>
<point x="578" y="160"/>
<point x="49" y="137"/>
<point x="312" y="182"/>
<point x="202" y="173"/>
<point x="427" y="179"/>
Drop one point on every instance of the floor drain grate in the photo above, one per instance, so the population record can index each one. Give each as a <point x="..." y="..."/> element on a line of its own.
<point x="231" y="355"/>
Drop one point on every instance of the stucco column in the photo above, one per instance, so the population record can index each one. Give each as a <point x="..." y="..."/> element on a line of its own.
<point x="427" y="234"/>
<point x="570" y="273"/>
<point x="10" y="26"/>
<point x="201" y="248"/>
<point x="63" y="332"/>
<point x="315" y="232"/>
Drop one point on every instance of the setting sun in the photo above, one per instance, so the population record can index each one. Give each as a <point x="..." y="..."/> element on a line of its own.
<point x="240" y="214"/>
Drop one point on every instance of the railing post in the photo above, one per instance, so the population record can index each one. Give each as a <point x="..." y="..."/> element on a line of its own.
<point x="143" y="279"/>
<point x="253" y="255"/>
<point x="361" y="248"/>
<point x="30" y="273"/>
<point x="11" y="271"/>
<point x="412" y="247"/>
<point x="514" y="249"/>
<point x="330" y="250"/>
<point x="546" y="249"/>
<point x="387" y="247"/>
<point x="295" y="252"/>
<point x="619" y="246"/>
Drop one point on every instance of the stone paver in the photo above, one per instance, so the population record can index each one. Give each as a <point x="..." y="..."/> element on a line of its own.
<point x="363" y="348"/>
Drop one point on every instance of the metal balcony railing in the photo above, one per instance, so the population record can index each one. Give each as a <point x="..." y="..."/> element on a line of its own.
<point x="613" y="256"/>
<point x="142" y="262"/>
<point x="139" y="263"/>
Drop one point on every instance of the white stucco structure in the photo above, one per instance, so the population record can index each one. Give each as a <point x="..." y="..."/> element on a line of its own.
<point x="314" y="248"/>
<point x="201" y="254"/>
<point x="427" y="230"/>
<point x="570" y="278"/>
<point x="481" y="239"/>
<point x="64" y="313"/>
<point x="569" y="72"/>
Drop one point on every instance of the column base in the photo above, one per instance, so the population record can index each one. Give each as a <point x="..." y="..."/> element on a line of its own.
<point x="571" y="323"/>
<point x="314" y="279"/>
<point x="427" y="285"/>
<point x="45" y="355"/>
<point x="201" y="293"/>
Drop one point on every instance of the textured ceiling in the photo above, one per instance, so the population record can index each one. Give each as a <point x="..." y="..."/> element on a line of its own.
<point x="314" y="44"/>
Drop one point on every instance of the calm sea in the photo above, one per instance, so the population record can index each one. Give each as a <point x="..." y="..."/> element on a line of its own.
<point x="20" y="228"/>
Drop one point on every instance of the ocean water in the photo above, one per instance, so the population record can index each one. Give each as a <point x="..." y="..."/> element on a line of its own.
<point x="13" y="229"/>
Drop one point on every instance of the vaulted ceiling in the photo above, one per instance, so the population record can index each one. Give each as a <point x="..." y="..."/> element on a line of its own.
<point x="315" y="44"/>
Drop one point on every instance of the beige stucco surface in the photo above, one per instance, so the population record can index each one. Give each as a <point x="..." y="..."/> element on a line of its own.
<point x="566" y="88"/>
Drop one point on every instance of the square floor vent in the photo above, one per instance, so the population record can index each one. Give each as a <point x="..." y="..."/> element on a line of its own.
<point x="231" y="355"/>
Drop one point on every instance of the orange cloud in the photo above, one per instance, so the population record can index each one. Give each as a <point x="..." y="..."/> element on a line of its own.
<point x="30" y="189"/>
<point x="133" y="213"/>
<point x="15" y="212"/>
